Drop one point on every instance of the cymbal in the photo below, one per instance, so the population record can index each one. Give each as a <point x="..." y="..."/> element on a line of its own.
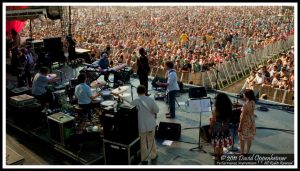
<point x="96" y="83"/>
<point x="120" y="89"/>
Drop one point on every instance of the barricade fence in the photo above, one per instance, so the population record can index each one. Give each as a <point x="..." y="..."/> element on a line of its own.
<point x="231" y="71"/>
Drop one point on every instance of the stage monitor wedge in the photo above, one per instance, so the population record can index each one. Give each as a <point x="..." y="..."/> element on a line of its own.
<point x="197" y="92"/>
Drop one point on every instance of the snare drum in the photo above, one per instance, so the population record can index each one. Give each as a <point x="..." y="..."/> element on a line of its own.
<point x="108" y="103"/>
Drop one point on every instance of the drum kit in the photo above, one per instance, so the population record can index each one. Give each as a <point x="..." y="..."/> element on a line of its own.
<point x="110" y="98"/>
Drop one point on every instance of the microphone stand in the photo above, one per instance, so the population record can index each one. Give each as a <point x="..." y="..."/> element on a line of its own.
<point x="217" y="80"/>
<point x="234" y="125"/>
<point x="131" y="87"/>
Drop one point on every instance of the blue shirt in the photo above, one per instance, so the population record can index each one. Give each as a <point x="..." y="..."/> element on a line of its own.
<point x="103" y="63"/>
<point x="172" y="81"/>
<point x="39" y="84"/>
<point x="83" y="93"/>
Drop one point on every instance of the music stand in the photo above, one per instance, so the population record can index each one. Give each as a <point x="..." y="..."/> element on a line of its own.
<point x="200" y="105"/>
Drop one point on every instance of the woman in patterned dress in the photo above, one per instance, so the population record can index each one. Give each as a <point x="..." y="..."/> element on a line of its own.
<point x="247" y="128"/>
<point x="220" y="134"/>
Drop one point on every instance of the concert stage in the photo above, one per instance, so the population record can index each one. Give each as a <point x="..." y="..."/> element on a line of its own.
<point x="275" y="132"/>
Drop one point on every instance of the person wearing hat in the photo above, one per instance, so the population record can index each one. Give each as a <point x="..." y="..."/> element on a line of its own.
<point x="104" y="64"/>
<point x="284" y="84"/>
<point x="258" y="81"/>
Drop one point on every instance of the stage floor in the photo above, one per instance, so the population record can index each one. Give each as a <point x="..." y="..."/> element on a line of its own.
<point x="275" y="132"/>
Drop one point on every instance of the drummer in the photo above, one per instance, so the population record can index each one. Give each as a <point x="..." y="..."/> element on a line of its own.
<point x="83" y="94"/>
<point x="39" y="90"/>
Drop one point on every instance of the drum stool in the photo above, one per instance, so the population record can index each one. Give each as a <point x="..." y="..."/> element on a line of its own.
<point x="82" y="111"/>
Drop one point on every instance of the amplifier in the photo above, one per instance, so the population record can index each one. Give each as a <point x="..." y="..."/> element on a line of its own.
<point x="122" y="154"/>
<point x="20" y="90"/>
<point x="169" y="131"/>
<point x="22" y="100"/>
<point x="126" y="73"/>
<point x="121" y="125"/>
<point x="61" y="127"/>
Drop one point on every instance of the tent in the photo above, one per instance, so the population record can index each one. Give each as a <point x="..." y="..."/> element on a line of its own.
<point x="16" y="16"/>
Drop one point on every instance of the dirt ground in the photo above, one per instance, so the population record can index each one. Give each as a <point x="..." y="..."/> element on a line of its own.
<point x="236" y="87"/>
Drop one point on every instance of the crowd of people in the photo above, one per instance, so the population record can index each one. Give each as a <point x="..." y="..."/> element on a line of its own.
<point x="277" y="73"/>
<point x="193" y="37"/>
<point x="178" y="38"/>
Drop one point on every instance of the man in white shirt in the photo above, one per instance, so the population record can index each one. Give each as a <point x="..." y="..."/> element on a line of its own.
<point x="172" y="87"/>
<point x="258" y="81"/>
<point x="147" y="110"/>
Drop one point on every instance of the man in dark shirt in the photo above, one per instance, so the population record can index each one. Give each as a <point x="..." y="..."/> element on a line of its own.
<point x="104" y="64"/>
<point x="143" y="69"/>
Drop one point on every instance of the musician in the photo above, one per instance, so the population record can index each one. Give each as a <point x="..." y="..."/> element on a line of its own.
<point x="84" y="95"/>
<point x="16" y="38"/>
<point x="104" y="64"/>
<point x="247" y="128"/>
<point x="147" y="110"/>
<point x="18" y="63"/>
<point x="71" y="47"/>
<point x="219" y="125"/>
<point x="28" y="65"/>
<point x="172" y="87"/>
<point x="39" y="87"/>
<point x="143" y="69"/>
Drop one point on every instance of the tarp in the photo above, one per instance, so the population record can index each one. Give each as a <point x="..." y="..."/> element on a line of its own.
<point x="15" y="24"/>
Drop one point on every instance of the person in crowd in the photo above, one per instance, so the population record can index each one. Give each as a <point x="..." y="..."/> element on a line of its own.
<point x="143" y="69"/>
<point x="284" y="83"/>
<point x="219" y="129"/>
<point x="292" y="77"/>
<point x="39" y="87"/>
<point x="184" y="39"/>
<point x="247" y="128"/>
<point x="147" y="111"/>
<point x="172" y="88"/>
<point x="187" y="66"/>
<point x="249" y="84"/>
<point x="276" y="80"/>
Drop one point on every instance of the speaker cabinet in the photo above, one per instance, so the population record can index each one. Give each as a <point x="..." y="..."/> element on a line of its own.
<point x="61" y="127"/>
<point x="52" y="44"/>
<point x="169" y="131"/>
<point x="122" y="154"/>
<point x="197" y="92"/>
<point x="122" y="125"/>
